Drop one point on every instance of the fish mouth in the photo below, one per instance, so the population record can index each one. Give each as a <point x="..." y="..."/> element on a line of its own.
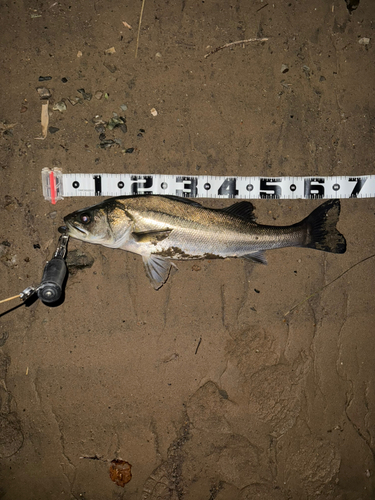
<point x="73" y="230"/>
<point x="80" y="230"/>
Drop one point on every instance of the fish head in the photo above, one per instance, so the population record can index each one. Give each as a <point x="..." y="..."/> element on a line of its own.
<point x="90" y="225"/>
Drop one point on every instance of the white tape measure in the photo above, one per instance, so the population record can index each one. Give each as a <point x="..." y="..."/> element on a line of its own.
<point x="57" y="185"/>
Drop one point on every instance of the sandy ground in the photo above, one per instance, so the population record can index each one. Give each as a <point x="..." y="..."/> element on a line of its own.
<point x="205" y="387"/>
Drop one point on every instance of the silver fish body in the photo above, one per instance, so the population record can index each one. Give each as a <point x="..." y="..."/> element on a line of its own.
<point x="166" y="228"/>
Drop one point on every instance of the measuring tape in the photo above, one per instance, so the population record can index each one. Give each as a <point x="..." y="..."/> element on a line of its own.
<point x="57" y="185"/>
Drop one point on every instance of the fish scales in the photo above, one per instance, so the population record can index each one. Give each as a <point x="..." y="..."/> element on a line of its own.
<point x="195" y="230"/>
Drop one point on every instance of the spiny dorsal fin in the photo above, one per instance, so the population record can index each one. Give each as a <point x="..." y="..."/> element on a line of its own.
<point x="244" y="210"/>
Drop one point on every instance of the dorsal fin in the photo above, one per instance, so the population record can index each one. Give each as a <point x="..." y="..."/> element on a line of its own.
<point x="244" y="210"/>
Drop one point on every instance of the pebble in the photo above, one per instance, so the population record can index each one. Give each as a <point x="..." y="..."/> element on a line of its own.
<point x="284" y="68"/>
<point x="59" y="106"/>
<point x="154" y="112"/>
<point x="52" y="215"/>
<point x="322" y="79"/>
<point x="129" y="150"/>
<point x="75" y="100"/>
<point x="86" y="95"/>
<point x="43" y="92"/>
<point x="53" y="130"/>
<point x="23" y="109"/>
<point x="158" y="54"/>
<point x="98" y="95"/>
<point x="123" y="107"/>
<point x="117" y="122"/>
<point x="107" y="143"/>
<point x="100" y="129"/>
<point x="364" y="41"/>
<point x="64" y="80"/>
<point x="45" y="78"/>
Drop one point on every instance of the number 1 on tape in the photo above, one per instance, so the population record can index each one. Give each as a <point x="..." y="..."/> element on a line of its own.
<point x="57" y="185"/>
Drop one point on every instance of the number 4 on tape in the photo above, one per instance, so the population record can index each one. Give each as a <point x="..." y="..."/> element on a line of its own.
<point x="57" y="185"/>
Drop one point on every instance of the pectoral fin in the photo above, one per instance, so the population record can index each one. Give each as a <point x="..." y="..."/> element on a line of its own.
<point x="257" y="257"/>
<point x="157" y="269"/>
<point x="151" y="236"/>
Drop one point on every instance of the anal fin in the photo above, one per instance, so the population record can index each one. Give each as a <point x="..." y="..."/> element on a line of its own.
<point x="257" y="257"/>
<point x="157" y="269"/>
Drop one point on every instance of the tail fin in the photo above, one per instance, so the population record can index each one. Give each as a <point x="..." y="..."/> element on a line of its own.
<point x="321" y="228"/>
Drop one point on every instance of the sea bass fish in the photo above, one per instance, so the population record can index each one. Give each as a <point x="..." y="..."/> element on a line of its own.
<point x="166" y="228"/>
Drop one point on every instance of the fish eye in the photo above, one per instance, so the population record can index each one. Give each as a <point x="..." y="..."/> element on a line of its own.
<point x="85" y="218"/>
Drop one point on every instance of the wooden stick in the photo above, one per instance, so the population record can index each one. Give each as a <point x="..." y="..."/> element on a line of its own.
<point x="139" y="28"/>
<point x="44" y="120"/>
<point x="10" y="298"/>
<point x="239" y="42"/>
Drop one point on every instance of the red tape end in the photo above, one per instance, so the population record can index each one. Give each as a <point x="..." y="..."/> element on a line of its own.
<point x="52" y="182"/>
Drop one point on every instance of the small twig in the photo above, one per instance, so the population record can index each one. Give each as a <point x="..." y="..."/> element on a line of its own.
<point x="199" y="343"/>
<point x="260" y="8"/>
<point x="239" y="42"/>
<point x="94" y="457"/>
<point x="330" y="283"/>
<point x="10" y="298"/>
<point x="139" y="28"/>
